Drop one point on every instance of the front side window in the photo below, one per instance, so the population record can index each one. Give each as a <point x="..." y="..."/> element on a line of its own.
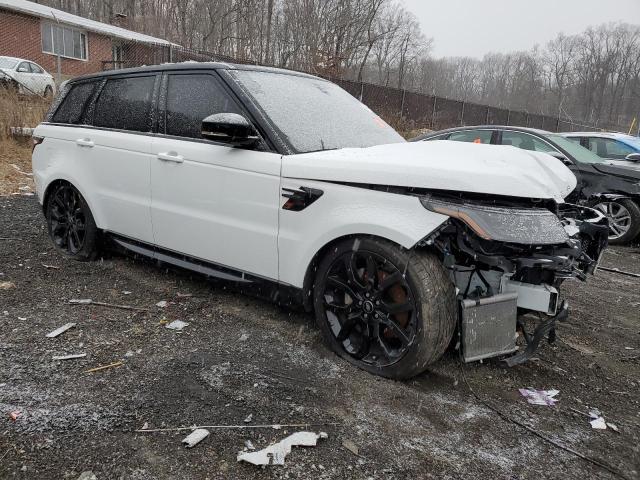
<point x="472" y="136"/>
<point x="526" y="142"/>
<point x="125" y="104"/>
<point x="609" y="148"/>
<point x="24" y="68"/>
<point x="577" y="152"/>
<point x="312" y="114"/>
<point x="72" y="107"/>
<point x="64" y="41"/>
<point x="190" y="99"/>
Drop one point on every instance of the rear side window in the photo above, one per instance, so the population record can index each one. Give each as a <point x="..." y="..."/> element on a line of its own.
<point x="72" y="107"/>
<point x="190" y="99"/>
<point x="125" y="104"/>
<point x="525" y="142"/>
<point x="472" y="136"/>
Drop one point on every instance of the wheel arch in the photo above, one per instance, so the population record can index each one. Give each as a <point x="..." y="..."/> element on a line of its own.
<point x="49" y="188"/>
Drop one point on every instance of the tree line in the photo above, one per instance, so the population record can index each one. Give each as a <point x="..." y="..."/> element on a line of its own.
<point x="592" y="77"/>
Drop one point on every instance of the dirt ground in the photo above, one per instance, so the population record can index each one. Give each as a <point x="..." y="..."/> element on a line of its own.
<point x="242" y="356"/>
<point x="15" y="167"/>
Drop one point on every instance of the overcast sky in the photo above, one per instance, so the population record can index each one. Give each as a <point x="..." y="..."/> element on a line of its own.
<point x="475" y="27"/>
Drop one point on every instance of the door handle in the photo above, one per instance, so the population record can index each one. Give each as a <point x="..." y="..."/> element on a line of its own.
<point x="170" y="157"/>
<point x="84" y="142"/>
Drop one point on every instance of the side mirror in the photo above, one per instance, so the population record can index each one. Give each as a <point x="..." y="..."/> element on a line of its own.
<point x="229" y="128"/>
<point x="633" y="157"/>
<point x="562" y="157"/>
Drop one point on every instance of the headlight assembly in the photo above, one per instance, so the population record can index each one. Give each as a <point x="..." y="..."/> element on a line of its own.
<point x="530" y="226"/>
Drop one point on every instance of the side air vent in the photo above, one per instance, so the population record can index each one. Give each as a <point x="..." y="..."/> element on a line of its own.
<point x="298" y="200"/>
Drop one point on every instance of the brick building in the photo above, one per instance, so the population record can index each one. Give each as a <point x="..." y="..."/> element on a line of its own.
<point x="42" y="34"/>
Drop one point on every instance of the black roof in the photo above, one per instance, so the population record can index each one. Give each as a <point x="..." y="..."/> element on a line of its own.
<point x="191" y="66"/>
<point x="476" y="127"/>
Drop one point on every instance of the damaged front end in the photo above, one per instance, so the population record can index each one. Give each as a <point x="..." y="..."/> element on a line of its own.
<point x="508" y="257"/>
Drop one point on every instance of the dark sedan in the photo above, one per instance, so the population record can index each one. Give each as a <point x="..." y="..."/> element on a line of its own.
<point x="610" y="188"/>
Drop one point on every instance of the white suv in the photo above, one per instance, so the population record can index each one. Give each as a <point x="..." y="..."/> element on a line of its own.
<point x="270" y="177"/>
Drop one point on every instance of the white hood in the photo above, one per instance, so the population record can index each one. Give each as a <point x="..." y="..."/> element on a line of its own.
<point x="440" y="165"/>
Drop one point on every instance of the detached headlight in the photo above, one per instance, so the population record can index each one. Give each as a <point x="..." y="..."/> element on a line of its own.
<point x="531" y="226"/>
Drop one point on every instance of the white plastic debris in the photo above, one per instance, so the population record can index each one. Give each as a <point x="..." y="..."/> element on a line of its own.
<point x="613" y="427"/>
<point x="162" y="304"/>
<point x="243" y="338"/>
<point x="598" y="423"/>
<point x="177" y="325"/>
<point x="81" y="301"/>
<point x="276" y="453"/>
<point x="60" y="330"/>
<point x="88" y="475"/>
<point x="195" y="437"/>
<point x="70" y="357"/>
<point x="539" y="397"/>
<point x="249" y="418"/>
<point x="249" y="445"/>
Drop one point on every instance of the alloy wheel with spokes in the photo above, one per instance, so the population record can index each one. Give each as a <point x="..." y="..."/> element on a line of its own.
<point x="70" y="222"/>
<point x="370" y="308"/>
<point x="619" y="218"/>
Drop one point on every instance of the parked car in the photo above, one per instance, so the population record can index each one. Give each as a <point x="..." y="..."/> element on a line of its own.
<point x="273" y="178"/>
<point x="610" y="187"/>
<point x="613" y="146"/>
<point x="26" y="77"/>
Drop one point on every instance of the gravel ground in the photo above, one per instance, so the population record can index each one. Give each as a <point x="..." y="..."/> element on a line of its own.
<point x="242" y="356"/>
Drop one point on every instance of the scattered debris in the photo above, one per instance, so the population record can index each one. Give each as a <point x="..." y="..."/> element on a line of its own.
<point x="276" y="453"/>
<point x="177" y="325"/>
<point x="70" y="357"/>
<point x="88" y="475"/>
<point x="50" y="267"/>
<point x="598" y="423"/>
<point x="60" y="330"/>
<point x="243" y="338"/>
<point x="111" y="365"/>
<point x="195" y="437"/>
<point x="539" y="397"/>
<point x="184" y="295"/>
<point x="162" y="304"/>
<point x="18" y="169"/>
<point x="126" y="292"/>
<point x="249" y="418"/>
<point x="7" y="285"/>
<point x="88" y="301"/>
<point x="613" y="427"/>
<point x="352" y="447"/>
<point x="249" y="445"/>
<point x="275" y="426"/>
<point x="14" y="415"/>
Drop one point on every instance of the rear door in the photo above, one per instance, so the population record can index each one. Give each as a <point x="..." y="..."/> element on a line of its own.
<point x="39" y="78"/>
<point x="211" y="201"/>
<point x="118" y="149"/>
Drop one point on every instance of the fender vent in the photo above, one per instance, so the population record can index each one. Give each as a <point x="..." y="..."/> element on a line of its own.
<point x="298" y="200"/>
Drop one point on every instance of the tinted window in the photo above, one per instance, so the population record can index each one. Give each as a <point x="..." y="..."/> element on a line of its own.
<point x="474" y="136"/>
<point x="192" y="98"/>
<point x="74" y="103"/>
<point x="24" y="67"/>
<point x="125" y="104"/>
<point x="608" y="148"/>
<point x="525" y="142"/>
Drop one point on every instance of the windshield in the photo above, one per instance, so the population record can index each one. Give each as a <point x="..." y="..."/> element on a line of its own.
<point x="632" y="142"/>
<point x="313" y="114"/>
<point x="580" y="154"/>
<point x="7" y="62"/>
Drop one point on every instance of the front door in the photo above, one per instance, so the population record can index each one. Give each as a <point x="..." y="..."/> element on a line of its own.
<point x="211" y="201"/>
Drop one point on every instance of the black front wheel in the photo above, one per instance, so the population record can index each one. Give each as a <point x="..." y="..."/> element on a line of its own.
<point x="71" y="224"/>
<point x="387" y="310"/>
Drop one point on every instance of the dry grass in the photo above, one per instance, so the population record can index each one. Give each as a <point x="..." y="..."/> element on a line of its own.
<point x="20" y="111"/>
<point x="15" y="163"/>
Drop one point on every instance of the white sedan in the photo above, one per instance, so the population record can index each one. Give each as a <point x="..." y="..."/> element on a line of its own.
<point x="29" y="78"/>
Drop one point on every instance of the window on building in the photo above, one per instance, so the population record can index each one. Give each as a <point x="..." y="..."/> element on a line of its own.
<point x="125" y="103"/>
<point x="64" y="41"/>
<point x="185" y="111"/>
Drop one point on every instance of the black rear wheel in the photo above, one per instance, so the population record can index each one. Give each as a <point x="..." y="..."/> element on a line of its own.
<point x="387" y="310"/>
<point x="71" y="224"/>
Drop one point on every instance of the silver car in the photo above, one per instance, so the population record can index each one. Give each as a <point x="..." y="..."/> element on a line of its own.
<point x="26" y="77"/>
